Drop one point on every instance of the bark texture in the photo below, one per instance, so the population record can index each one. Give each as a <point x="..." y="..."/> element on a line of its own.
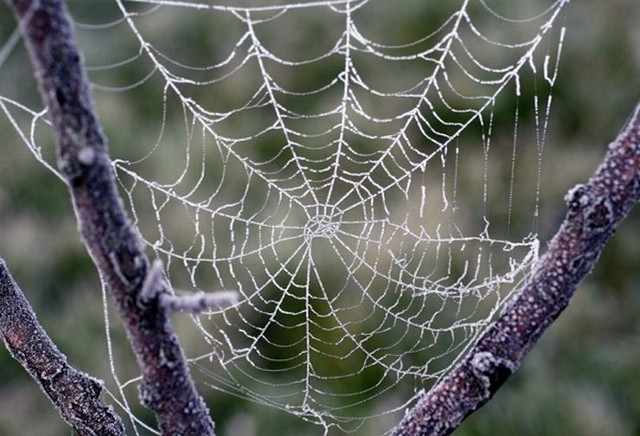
<point x="113" y="243"/>
<point x="595" y="210"/>
<point x="74" y="394"/>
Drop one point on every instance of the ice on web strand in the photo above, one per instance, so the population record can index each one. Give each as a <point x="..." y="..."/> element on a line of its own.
<point x="290" y="229"/>
<point x="401" y="274"/>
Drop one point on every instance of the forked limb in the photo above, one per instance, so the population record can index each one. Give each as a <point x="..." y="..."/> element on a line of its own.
<point x="113" y="243"/>
<point x="155" y="286"/>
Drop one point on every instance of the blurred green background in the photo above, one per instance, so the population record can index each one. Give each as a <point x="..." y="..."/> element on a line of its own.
<point x="582" y="377"/>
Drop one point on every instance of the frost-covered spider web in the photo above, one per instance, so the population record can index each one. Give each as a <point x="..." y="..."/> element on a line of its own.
<point x="364" y="173"/>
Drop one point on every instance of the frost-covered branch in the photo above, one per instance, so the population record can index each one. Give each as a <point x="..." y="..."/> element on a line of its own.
<point x="595" y="209"/>
<point x="114" y="244"/>
<point x="75" y="394"/>
<point x="154" y="286"/>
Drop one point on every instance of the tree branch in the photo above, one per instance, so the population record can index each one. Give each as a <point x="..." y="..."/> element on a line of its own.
<point x="114" y="245"/>
<point x="595" y="210"/>
<point x="74" y="394"/>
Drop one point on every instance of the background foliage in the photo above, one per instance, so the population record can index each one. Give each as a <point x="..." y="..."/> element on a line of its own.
<point x="582" y="377"/>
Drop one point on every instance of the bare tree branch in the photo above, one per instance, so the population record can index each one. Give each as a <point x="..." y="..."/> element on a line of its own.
<point x="193" y="303"/>
<point x="115" y="246"/>
<point x="595" y="210"/>
<point x="75" y="394"/>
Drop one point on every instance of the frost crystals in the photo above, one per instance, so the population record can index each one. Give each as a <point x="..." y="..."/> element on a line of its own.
<point x="155" y="287"/>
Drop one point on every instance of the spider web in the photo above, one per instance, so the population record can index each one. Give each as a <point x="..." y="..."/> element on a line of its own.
<point x="364" y="173"/>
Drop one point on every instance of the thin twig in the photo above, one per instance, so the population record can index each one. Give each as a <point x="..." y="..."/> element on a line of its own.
<point x="113" y="243"/>
<point x="595" y="210"/>
<point x="74" y="394"/>
<point x="154" y="287"/>
<point x="199" y="303"/>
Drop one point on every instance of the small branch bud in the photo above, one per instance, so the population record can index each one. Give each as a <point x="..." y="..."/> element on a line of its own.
<point x="200" y="302"/>
<point x="153" y="283"/>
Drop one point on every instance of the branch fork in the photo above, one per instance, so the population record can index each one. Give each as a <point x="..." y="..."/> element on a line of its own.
<point x="156" y="287"/>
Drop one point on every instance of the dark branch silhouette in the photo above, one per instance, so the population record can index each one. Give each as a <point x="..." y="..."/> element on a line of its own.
<point x="114" y="245"/>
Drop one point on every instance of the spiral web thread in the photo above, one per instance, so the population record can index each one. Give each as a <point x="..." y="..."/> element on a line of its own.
<point x="364" y="173"/>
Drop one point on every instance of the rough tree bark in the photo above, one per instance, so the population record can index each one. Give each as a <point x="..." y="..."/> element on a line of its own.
<point x="74" y="394"/>
<point x="595" y="210"/>
<point x="114" y="245"/>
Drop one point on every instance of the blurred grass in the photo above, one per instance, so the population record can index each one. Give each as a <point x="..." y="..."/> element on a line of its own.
<point x="582" y="378"/>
